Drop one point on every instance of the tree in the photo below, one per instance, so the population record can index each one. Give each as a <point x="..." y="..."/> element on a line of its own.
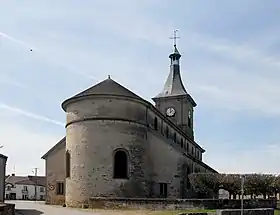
<point x="208" y="183"/>
<point x="254" y="184"/>
<point x="231" y="183"/>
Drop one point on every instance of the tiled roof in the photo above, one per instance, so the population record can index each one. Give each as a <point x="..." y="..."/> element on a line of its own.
<point x="106" y="87"/>
<point x="27" y="180"/>
<point x="40" y="180"/>
<point x="12" y="179"/>
<point x="62" y="142"/>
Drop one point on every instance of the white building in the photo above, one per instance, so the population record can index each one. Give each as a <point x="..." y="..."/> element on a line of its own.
<point x="25" y="188"/>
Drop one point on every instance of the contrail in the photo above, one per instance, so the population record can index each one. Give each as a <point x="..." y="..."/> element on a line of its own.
<point x="30" y="115"/>
<point x="29" y="46"/>
<point x="14" y="39"/>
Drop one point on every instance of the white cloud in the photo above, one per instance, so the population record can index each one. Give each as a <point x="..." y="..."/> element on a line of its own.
<point x="239" y="91"/>
<point x="29" y="114"/>
<point x="24" y="144"/>
<point x="20" y="42"/>
<point x="244" y="87"/>
<point x="24" y="147"/>
<point x="46" y="56"/>
<point x="4" y="79"/>
<point x="264" y="159"/>
<point x="251" y="54"/>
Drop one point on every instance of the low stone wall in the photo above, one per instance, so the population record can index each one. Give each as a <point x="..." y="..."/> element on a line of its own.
<point x="145" y="203"/>
<point x="7" y="209"/>
<point x="258" y="211"/>
<point x="58" y="200"/>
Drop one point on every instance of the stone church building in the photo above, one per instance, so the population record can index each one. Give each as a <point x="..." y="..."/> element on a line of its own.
<point x="119" y="145"/>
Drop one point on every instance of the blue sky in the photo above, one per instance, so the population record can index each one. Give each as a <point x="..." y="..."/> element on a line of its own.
<point x="230" y="65"/>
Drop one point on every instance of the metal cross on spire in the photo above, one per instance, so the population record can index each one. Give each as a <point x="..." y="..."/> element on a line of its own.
<point x="174" y="37"/>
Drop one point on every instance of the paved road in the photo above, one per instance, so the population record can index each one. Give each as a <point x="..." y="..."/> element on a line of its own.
<point x="39" y="208"/>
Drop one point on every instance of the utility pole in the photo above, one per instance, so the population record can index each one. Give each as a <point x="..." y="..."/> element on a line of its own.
<point x="242" y="192"/>
<point x="35" y="172"/>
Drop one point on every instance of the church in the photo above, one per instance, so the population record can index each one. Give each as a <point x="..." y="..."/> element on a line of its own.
<point x="119" y="145"/>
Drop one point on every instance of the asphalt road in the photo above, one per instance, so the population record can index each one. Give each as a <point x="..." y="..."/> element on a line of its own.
<point x="39" y="208"/>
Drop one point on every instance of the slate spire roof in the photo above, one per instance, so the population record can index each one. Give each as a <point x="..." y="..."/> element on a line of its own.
<point x="174" y="85"/>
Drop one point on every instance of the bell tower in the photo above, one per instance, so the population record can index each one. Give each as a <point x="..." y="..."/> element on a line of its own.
<point x="174" y="101"/>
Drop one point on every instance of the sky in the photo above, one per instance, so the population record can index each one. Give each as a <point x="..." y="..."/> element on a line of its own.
<point x="230" y="65"/>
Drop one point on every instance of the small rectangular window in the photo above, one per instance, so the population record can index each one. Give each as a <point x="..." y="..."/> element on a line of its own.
<point x="163" y="190"/>
<point x="60" y="188"/>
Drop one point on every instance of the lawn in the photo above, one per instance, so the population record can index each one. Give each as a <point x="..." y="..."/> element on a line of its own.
<point x="147" y="212"/>
<point x="175" y="212"/>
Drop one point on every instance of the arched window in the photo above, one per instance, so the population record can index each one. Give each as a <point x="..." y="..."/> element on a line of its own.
<point x="120" y="164"/>
<point x="175" y="137"/>
<point x="155" y="123"/>
<point x="67" y="164"/>
<point x="166" y="131"/>
<point x="182" y="143"/>
<point x="189" y="119"/>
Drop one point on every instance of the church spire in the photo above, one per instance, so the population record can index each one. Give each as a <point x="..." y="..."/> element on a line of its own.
<point x="173" y="85"/>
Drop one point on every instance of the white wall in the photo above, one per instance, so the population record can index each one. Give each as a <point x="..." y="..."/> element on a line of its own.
<point x="18" y="189"/>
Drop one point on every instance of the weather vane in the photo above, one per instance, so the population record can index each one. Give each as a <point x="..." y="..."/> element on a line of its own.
<point x="174" y="37"/>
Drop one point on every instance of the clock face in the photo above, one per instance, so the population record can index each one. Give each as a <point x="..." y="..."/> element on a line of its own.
<point x="170" y="111"/>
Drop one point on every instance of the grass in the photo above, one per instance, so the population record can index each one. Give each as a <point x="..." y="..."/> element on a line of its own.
<point x="175" y="212"/>
<point x="145" y="212"/>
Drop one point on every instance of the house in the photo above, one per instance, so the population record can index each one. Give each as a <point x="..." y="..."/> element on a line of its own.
<point x="25" y="187"/>
<point x="3" y="161"/>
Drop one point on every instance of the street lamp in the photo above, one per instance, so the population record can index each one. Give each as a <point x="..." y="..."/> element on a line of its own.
<point x="242" y="192"/>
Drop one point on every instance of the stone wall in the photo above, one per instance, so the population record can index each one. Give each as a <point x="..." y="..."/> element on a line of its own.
<point x="7" y="209"/>
<point x="145" y="203"/>
<point x="95" y="129"/>
<point x="3" y="160"/>
<point x="92" y="161"/>
<point x="55" y="172"/>
<point x="167" y="167"/>
<point x="258" y="211"/>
